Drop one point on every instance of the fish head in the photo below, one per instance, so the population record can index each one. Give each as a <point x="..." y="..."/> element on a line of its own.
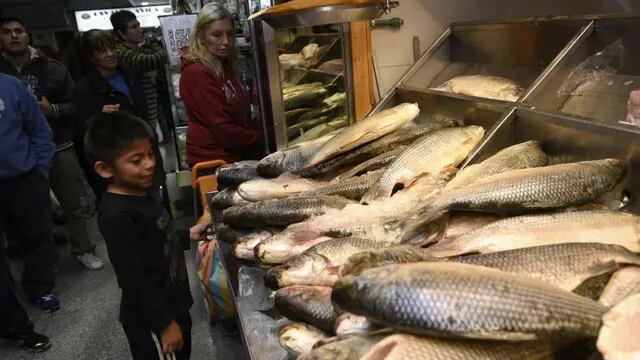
<point x="352" y="324"/>
<point x="615" y="167"/>
<point x="303" y="269"/>
<point x="474" y="132"/>
<point x="510" y="92"/>
<point x="276" y="249"/>
<point x="299" y="338"/>
<point x="300" y="296"/>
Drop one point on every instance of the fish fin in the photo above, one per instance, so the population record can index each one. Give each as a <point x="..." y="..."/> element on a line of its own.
<point x="425" y="215"/>
<point x="375" y="192"/>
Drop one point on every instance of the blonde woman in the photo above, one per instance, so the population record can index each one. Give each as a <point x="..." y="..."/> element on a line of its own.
<point x="217" y="103"/>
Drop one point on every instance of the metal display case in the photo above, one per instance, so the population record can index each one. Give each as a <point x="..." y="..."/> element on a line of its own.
<point x="594" y="80"/>
<point x="285" y="57"/>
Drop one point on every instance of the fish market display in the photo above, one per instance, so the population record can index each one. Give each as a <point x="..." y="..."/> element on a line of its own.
<point x="375" y="163"/>
<point x="378" y="247"/>
<point x="370" y="128"/>
<point x="623" y="283"/>
<point x="351" y="348"/>
<point x="290" y="159"/>
<point x="491" y="87"/>
<point x="618" y="339"/>
<point x="431" y="154"/>
<point x="299" y="338"/>
<point x="319" y="265"/>
<point x="467" y="301"/>
<point x="352" y="324"/>
<point x="590" y="226"/>
<point x="405" y="346"/>
<point x="311" y="304"/>
<point x="281" y="187"/>
<point x="547" y="187"/>
<point x="244" y="246"/>
<point x="351" y="188"/>
<point x="521" y="156"/>
<point x="227" y="198"/>
<point x="281" y="211"/>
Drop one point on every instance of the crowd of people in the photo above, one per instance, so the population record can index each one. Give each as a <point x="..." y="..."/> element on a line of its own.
<point x="89" y="131"/>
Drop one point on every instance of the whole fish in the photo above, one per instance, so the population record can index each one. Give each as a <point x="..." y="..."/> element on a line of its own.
<point x="281" y="211"/>
<point x="618" y="339"/>
<point x="321" y="130"/>
<point x="351" y="348"/>
<point x="298" y="338"/>
<point x="521" y="156"/>
<point x="623" y="283"/>
<point x="281" y="187"/>
<point x="319" y="265"/>
<point x="563" y="265"/>
<point x="547" y="187"/>
<point x="311" y="304"/>
<point x="431" y="154"/>
<point x="291" y="158"/>
<point x="355" y="219"/>
<point x="365" y="130"/>
<point x="462" y="300"/>
<point x="227" y="198"/>
<point x="243" y="247"/>
<point x="351" y="188"/>
<point x="375" y="163"/>
<point x="591" y="226"/>
<point x="402" y="136"/>
<point x="491" y="87"/>
<point x="401" y="254"/>
<point x="352" y="324"/>
<point x="405" y="346"/>
<point x="298" y="129"/>
<point x="297" y="99"/>
<point x="231" y="177"/>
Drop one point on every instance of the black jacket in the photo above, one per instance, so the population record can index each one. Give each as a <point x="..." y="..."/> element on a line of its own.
<point x="49" y="78"/>
<point x="93" y="92"/>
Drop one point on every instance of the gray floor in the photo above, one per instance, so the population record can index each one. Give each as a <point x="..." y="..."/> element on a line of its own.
<point x="87" y="326"/>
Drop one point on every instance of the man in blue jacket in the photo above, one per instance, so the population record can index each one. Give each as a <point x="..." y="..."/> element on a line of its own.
<point x="26" y="152"/>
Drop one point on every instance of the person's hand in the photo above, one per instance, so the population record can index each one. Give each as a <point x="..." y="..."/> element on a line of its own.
<point x="46" y="107"/>
<point x="111" y="108"/>
<point x="201" y="230"/>
<point x="171" y="338"/>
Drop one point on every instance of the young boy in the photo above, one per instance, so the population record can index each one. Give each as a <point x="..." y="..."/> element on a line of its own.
<point x="147" y="256"/>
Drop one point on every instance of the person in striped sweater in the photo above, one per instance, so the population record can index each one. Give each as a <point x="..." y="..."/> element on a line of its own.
<point x="143" y="56"/>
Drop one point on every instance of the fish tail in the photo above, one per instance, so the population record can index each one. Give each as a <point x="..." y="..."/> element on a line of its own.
<point x="416" y="223"/>
<point x="376" y="191"/>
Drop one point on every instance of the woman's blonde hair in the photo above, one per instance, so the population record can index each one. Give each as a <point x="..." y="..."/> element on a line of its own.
<point x="197" y="51"/>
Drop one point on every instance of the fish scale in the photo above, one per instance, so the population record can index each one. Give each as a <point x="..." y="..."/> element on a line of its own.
<point x="466" y="301"/>
<point x="351" y="188"/>
<point x="311" y="304"/>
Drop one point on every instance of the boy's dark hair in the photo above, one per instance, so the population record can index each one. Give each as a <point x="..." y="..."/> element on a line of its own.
<point x="110" y="134"/>
<point x="120" y="20"/>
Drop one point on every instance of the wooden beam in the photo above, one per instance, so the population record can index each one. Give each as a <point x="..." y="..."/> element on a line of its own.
<point x="362" y="64"/>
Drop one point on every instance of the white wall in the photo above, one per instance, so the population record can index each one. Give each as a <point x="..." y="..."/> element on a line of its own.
<point x="427" y="19"/>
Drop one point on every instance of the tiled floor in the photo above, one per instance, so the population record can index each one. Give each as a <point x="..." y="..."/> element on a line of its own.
<point x="87" y="326"/>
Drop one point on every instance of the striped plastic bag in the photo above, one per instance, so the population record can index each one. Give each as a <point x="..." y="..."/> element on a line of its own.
<point x="214" y="282"/>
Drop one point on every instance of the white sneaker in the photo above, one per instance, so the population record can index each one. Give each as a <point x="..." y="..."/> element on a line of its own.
<point x="90" y="261"/>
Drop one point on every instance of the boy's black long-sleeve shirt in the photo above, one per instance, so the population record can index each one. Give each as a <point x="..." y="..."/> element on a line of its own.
<point x="148" y="260"/>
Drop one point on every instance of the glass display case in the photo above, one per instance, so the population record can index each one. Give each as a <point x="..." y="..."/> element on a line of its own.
<point x="304" y="77"/>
